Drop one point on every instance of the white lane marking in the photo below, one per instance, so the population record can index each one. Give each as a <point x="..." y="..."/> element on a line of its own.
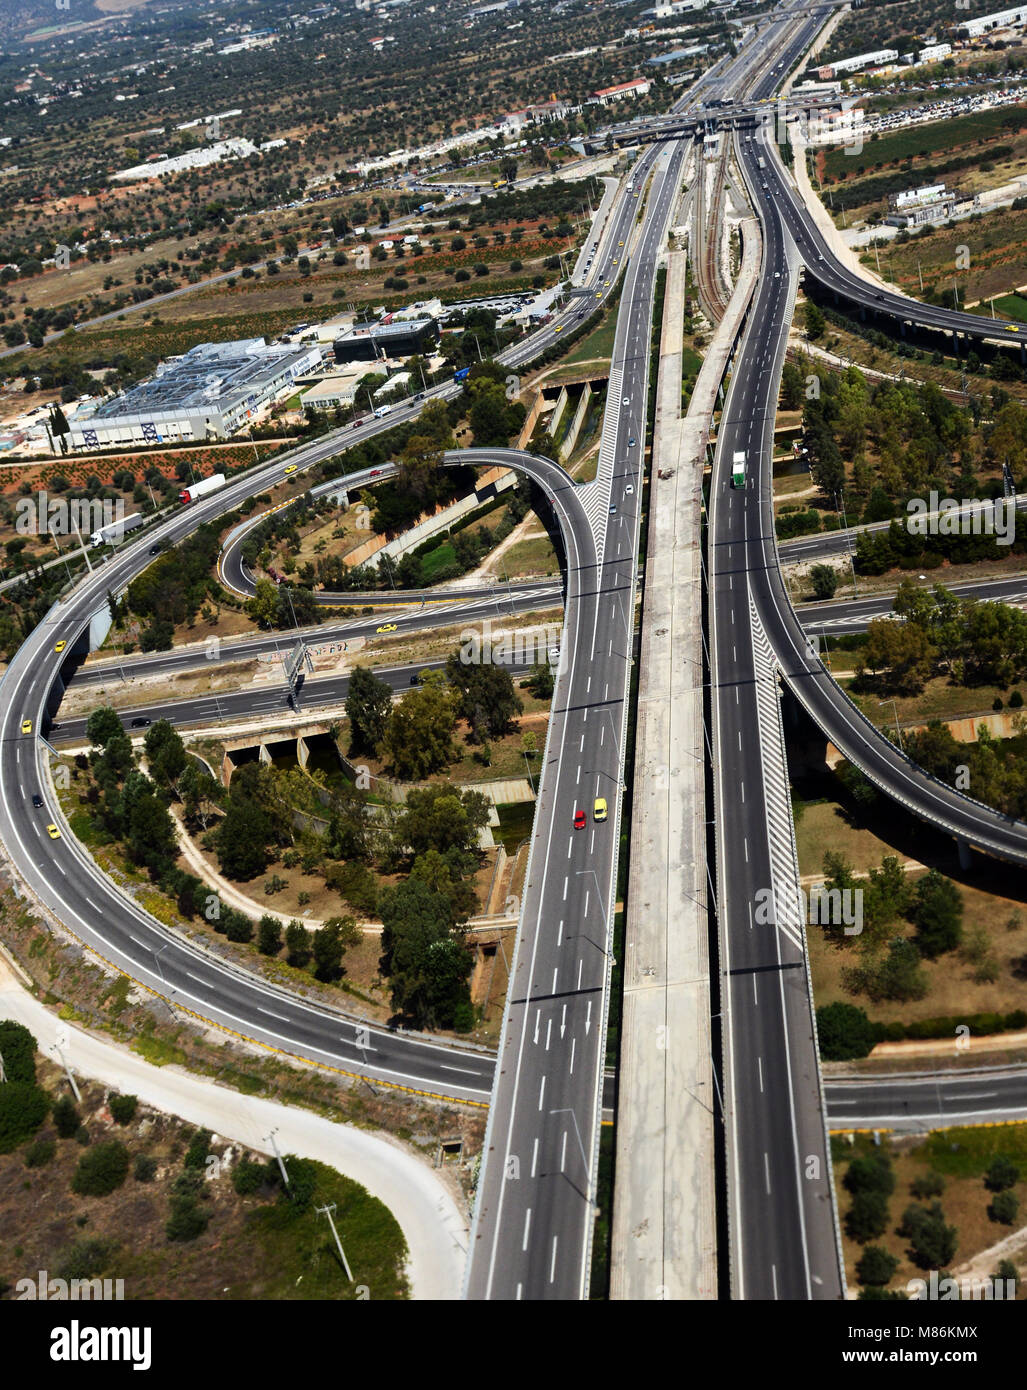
<point x="534" y="1156"/>
<point x="759" y="1064"/>
<point x="766" y="1170"/>
<point x="563" y="1150"/>
<point x="552" y="1262"/>
<point x="541" y="1093"/>
<point x="573" y="1045"/>
<point x="549" y="1032"/>
<point x="527" y="1227"/>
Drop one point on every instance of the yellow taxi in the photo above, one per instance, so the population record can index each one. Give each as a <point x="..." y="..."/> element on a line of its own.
<point x="291" y="468"/>
<point x="387" y="627"/>
<point x="558" y="328"/>
<point x="53" y="832"/>
<point x="599" y="809"/>
<point x="26" y="726"/>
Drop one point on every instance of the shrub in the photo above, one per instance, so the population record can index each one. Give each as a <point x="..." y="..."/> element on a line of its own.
<point x="85" y="1258"/>
<point x="199" y="1148"/>
<point x="145" y="1168"/>
<point x="844" y="1032"/>
<point x="1004" y="1206"/>
<point x="101" y="1170"/>
<point x="123" y="1109"/>
<point x="187" y="1219"/>
<point x="1002" y="1173"/>
<point x="66" y="1118"/>
<point x="870" y="1174"/>
<point x="929" y="1184"/>
<point x="39" y="1153"/>
<point x="875" y="1266"/>
<point x="23" y="1109"/>
<point x="18" y="1049"/>
<point x="867" y="1218"/>
<point x="248" y="1177"/>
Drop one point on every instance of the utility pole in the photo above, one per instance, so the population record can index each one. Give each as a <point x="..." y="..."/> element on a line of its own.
<point x="920" y="273"/>
<point x="82" y="544"/>
<point x="271" y="1140"/>
<point x="67" y="1072"/>
<point x="327" y="1211"/>
<point x="3" y="1073"/>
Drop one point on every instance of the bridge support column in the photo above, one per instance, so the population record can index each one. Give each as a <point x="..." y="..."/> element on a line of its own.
<point x="862" y="314"/>
<point x="902" y="327"/>
<point x="1023" y="354"/>
<point x="964" y="853"/>
<point x="955" y="343"/>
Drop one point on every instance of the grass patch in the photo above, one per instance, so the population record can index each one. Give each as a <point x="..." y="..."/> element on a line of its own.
<point x="299" y="1254"/>
<point x="515" y="821"/>
<point x="158" y="1052"/>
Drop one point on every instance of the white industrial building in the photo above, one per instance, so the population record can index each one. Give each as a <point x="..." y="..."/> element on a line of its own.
<point x="864" y="60"/>
<point x="974" y="28"/>
<point x="933" y="53"/>
<point x="208" y="393"/>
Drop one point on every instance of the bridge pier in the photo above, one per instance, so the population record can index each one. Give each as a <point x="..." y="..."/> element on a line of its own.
<point x="963" y="850"/>
<point x="1023" y="353"/>
<point x="902" y="327"/>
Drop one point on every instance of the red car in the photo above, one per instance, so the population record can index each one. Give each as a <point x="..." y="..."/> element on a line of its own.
<point x="579" y="820"/>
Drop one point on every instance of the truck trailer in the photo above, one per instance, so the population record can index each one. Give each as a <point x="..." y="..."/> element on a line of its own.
<point x="201" y="489"/>
<point x="116" y="531"/>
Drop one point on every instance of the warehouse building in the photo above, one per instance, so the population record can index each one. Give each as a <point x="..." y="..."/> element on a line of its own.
<point x="974" y="28"/>
<point x="208" y="393"/>
<point x="401" y="338"/>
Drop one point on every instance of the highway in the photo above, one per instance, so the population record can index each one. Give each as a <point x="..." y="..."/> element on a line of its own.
<point x="535" y="1207"/>
<point x="497" y="605"/>
<point x="781" y="1220"/>
<point x="970" y="822"/>
<point x="66" y="881"/>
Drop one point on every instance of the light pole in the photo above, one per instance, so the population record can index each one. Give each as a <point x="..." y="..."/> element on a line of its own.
<point x="898" y="730"/>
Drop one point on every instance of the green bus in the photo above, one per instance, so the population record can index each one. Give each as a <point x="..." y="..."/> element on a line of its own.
<point x="738" y="469"/>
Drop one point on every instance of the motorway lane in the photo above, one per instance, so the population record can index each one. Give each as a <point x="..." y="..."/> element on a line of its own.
<point x="968" y="821"/>
<point x="66" y="880"/>
<point x="781" y="1220"/>
<point x="823" y="544"/>
<point x="246" y="704"/>
<point x="496" y="608"/>
<point x="535" y="1210"/>
<point x="849" y="615"/>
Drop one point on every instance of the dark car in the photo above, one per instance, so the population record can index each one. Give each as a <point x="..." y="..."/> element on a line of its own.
<point x="155" y="549"/>
<point x="37" y="800"/>
<point x="141" y="723"/>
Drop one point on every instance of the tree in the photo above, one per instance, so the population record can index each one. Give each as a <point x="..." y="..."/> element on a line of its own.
<point x="902" y="650"/>
<point x="541" y="681"/>
<point x="1004" y="1207"/>
<point x="870" y="1174"/>
<point x="792" y="387"/>
<point x="18" y="1050"/>
<point x="486" y="698"/>
<point x="1001" y="1174"/>
<point x="844" y="1032"/>
<point x="824" y="579"/>
<point x="442" y="818"/>
<point x="101" y="1169"/>
<point x="263" y="606"/>
<point x="937" y="914"/>
<point x="102" y="725"/>
<point x="418" y="738"/>
<point x="165" y="753"/>
<point x="297" y="944"/>
<point x="814" y="320"/>
<point x="329" y="943"/>
<point x="867" y="1217"/>
<point x="187" y="1219"/>
<point x="201" y="794"/>
<point x="426" y="965"/>
<point x="269" y="935"/>
<point x="875" y="1266"/>
<point x="932" y="1242"/>
<point x="23" y="1108"/>
<point x="149" y="831"/>
<point x="242" y="839"/>
<point x="368" y="704"/>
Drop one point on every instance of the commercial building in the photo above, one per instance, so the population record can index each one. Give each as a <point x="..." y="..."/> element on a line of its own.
<point x="208" y="393"/>
<point x="917" y="197"/>
<point x="859" y="60"/>
<point x="974" y="28"/>
<point x="401" y="338"/>
<point x="639" y="88"/>
<point x="934" y="52"/>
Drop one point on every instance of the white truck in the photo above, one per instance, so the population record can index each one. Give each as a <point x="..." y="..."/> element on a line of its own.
<point x="382" y="410"/>
<point x="738" y="468"/>
<point x="203" y="487"/>
<point x="115" y="531"/>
